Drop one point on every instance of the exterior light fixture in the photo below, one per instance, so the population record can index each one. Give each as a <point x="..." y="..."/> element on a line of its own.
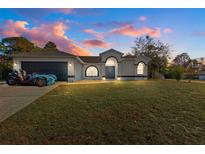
<point x="103" y="78"/>
<point x="118" y="78"/>
<point x="69" y="64"/>
<point x="15" y="64"/>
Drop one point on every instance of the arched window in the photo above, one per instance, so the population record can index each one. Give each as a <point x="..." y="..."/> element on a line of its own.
<point x="91" y="71"/>
<point x="111" y="62"/>
<point x="140" y="68"/>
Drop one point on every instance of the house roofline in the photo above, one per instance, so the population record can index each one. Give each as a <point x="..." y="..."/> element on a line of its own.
<point x="111" y="50"/>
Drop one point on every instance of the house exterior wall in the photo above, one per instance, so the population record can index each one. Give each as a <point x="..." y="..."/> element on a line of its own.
<point x="72" y="63"/>
<point x="78" y="68"/>
<point x="125" y="69"/>
<point x="99" y="66"/>
<point x="17" y="64"/>
<point x="142" y="59"/>
<point x="128" y="69"/>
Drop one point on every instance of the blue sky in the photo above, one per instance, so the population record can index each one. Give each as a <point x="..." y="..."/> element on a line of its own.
<point x="91" y="31"/>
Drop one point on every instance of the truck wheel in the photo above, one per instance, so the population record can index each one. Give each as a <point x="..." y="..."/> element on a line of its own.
<point x="41" y="82"/>
<point x="11" y="82"/>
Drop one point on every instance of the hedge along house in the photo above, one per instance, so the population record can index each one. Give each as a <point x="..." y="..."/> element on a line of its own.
<point x="110" y="64"/>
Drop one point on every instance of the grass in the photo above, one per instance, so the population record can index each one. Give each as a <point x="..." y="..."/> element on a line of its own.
<point x="130" y="112"/>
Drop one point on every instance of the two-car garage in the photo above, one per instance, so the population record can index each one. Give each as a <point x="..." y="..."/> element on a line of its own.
<point x="60" y="69"/>
<point x="48" y="62"/>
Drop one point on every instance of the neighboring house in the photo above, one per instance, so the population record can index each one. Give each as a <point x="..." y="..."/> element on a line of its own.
<point x="201" y="60"/>
<point x="110" y="64"/>
<point x="199" y="68"/>
<point x="202" y="75"/>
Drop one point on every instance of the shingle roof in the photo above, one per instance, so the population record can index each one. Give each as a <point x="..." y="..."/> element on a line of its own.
<point x="49" y="53"/>
<point x="90" y="59"/>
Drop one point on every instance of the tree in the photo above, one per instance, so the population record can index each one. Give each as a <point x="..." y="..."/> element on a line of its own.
<point x="50" y="45"/>
<point x="9" y="45"/>
<point x="190" y="73"/>
<point x="5" y="62"/>
<point x="158" y="51"/>
<point x="4" y="50"/>
<point x="182" y="60"/>
<point x="18" y="44"/>
<point x="177" y="72"/>
<point x="5" y="68"/>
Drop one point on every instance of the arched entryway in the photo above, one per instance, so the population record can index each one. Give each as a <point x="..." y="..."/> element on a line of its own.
<point x="111" y="66"/>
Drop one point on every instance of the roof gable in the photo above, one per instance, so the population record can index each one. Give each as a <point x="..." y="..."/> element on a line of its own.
<point x="111" y="50"/>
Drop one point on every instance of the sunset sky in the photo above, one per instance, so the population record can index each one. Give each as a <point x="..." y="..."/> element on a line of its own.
<point x="91" y="31"/>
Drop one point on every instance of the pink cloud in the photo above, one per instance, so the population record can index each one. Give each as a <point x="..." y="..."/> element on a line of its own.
<point x="142" y="18"/>
<point x="130" y="30"/>
<point x="92" y="32"/>
<point x="95" y="43"/>
<point x="13" y="28"/>
<point x="40" y="35"/>
<point x="167" y="30"/>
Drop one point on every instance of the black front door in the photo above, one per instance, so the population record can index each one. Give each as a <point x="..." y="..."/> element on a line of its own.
<point x="110" y="72"/>
<point x="57" y="68"/>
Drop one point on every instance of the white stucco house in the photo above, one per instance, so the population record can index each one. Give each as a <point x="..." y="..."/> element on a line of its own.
<point x="110" y="64"/>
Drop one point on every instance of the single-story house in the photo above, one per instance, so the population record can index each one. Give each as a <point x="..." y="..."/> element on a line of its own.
<point x="110" y="64"/>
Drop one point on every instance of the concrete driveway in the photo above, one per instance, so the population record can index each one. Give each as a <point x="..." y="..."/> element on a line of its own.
<point x="14" y="98"/>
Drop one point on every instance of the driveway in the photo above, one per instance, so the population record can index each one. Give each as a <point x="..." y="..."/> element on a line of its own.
<point x="14" y="98"/>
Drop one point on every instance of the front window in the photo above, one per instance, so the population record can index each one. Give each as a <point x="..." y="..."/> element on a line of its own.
<point x="140" y="68"/>
<point x="91" y="71"/>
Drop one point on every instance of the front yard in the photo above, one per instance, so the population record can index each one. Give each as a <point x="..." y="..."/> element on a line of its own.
<point x="121" y="112"/>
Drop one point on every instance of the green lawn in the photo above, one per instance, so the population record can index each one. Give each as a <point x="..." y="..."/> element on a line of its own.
<point x="122" y="112"/>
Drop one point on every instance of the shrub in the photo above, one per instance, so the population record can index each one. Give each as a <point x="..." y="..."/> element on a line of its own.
<point x="177" y="72"/>
<point x="5" y="68"/>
